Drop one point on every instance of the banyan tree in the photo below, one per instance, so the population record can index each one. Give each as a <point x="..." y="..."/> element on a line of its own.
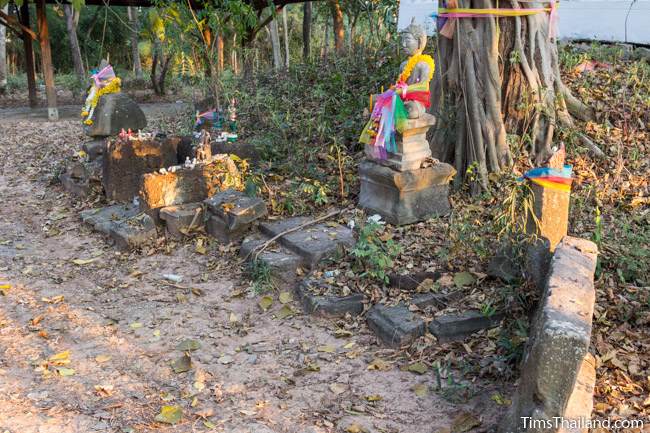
<point x="498" y="72"/>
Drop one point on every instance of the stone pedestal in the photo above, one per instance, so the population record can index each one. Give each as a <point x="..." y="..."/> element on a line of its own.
<point x="412" y="146"/>
<point x="551" y="209"/>
<point x="405" y="197"/>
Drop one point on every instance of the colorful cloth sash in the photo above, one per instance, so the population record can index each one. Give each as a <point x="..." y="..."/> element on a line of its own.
<point x="551" y="178"/>
<point x="102" y="77"/>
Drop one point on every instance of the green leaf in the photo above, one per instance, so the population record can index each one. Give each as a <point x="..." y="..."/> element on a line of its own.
<point x="169" y="414"/>
<point x="462" y="279"/>
<point x="188" y="345"/>
<point x="418" y="368"/>
<point x="182" y="364"/>
<point x="266" y="302"/>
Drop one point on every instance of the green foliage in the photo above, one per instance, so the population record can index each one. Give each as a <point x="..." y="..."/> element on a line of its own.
<point x="373" y="253"/>
<point x="260" y="274"/>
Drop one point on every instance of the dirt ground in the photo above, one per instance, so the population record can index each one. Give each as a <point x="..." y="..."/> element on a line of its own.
<point x="122" y="321"/>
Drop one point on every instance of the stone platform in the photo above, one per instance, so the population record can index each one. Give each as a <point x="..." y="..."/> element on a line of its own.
<point x="405" y="197"/>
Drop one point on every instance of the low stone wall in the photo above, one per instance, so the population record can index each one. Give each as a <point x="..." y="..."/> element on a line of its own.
<point x="557" y="374"/>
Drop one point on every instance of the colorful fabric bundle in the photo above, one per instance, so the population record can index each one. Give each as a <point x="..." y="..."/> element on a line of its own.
<point x="417" y="92"/>
<point x="551" y="178"/>
<point x="211" y="115"/>
<point x="388" y="117"/>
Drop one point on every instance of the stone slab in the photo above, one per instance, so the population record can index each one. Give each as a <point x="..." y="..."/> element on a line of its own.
<point x="395" y="326"/>
<point x="127" y="160"/>
<point x="559" y="338"/>
<point x="581" y="401"/>
<point x="405" y="197"/>
<point x="134" y="232"/>
<point x="411" y="281"/>
<point x="180" y="219"/>
<point x="331" y="306"/>
<point x="454" y="327"/>
<point x="313" y="243"/>
<point x="437" y="300"/>
<point x="236" y="209"/>
<point x="94" y="148"/>
<point x="185" y="185"/>
<point x="219" y="229"/>
<point x="103" y="219"/>
<point x="75" y="186"/>
<point x="114" y="112"/>
<point x="282" y="262"/>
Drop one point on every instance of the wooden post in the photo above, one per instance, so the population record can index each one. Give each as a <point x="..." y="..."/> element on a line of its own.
<point x="29" y="56"/>
<point x="46" y="61"/>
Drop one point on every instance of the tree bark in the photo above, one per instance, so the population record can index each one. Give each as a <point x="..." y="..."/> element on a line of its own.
<point x="306" y="31"/>
<point x="285" y="30"/>
<point x="339" y="29"/>
<point x="275" y="44"/>
<point x="134" y="22"/>
<point x="3" y="56"/>
<point x="219" y="53"/>
<point x="490" y="80"/>
<point x="71" y="22"/>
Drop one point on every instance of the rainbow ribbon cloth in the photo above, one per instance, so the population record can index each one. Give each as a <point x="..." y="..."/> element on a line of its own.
<point x="559" y="180"/>
<point x="445" y="13"/>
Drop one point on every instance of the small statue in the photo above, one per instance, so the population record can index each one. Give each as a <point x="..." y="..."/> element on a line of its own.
<point x="416" y="71"/>
<point x="407" y="99"/>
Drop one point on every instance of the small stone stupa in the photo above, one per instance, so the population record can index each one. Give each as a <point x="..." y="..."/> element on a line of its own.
<point x="399" y="179"/>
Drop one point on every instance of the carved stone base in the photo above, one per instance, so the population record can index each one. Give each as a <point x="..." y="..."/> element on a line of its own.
<point x="405" y="197"/>
<point x="412" y="145"/>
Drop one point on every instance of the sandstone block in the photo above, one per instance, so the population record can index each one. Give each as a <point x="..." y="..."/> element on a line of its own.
<point x="219" y="229"/>
<point x="313" y="243"/>
<point x="94" y="148"/>
<point x="236" y="209"/>
<point x="103" y="219"/>
<point x="134" y="232"/>
<point x="395" y="326"/>
<point x="405" y="197"/>
<point x="453" y="327"/>
<point x="559" y="339"/>
<point x="282" y="262"/>
<point x="186" y="184"/>
<point x="181" y="219"/>
<point x="114" y="112"/>
<point x="127" y="160"/>
<point x="331" y="306"/>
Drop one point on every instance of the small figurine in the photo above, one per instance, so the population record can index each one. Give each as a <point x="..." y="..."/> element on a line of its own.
<point x="407" y="99"/>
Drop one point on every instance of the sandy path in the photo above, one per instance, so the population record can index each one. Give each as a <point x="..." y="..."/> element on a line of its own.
<point x="252" y="372"/>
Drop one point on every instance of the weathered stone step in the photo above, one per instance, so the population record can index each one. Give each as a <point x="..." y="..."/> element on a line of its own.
<point x="313" y="243"/>
<point x="232" y="214"/>
<point x="282" y="263"/>
<point x="454" y="327"/>
<point x="181" y="219"/>
<point x="134" y="232"/>
<point x="103" y="219"/>
<point x="395" y="326"/>
<point x="328" y="305"/>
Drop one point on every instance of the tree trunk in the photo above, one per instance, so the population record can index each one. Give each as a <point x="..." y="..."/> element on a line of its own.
<point x="339" y="29"/>
<point x="326" y="41"/>
<point x="71" y="22"/>
<point x="3" y="56"/>
<point x="219" y="53"/>
<point x="135" y="30"/>
<point x="306" y="31"/>
<point x="275" y="44"/>
<point x="285" y="30"/>
<point x="490" y="80"/>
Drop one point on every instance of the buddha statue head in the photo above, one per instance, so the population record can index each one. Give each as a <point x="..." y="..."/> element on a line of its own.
<point x="413" y="39"/>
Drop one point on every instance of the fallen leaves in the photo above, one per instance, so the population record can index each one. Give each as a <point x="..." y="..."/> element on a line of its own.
<point x="266" y="302"/>
<point x="338" y="388"/>
<point x="464" y="422"/>
<point x="420" y="390"/>
<point x="188" y="345"/>
<point x="462" y="279"/>
<point x="100" y="359"/>
<point x="182" y="364"/>
<point x="379" y="364"/>
<point x="169" y="414"/>
<point x="417" y="367"/>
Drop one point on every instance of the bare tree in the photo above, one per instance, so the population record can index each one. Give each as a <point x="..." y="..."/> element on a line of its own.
<point x="275" y="44"/>
<point x="71" y="23"/>
<point x="339" y="28"/>
<point x="285" y="30"/>
<point x="306" y="30"/>
<point x="492" y="79"/>
<point x="134" y="22"/>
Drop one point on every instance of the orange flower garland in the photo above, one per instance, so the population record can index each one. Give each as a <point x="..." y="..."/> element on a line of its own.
<point x="410" y="65"/>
